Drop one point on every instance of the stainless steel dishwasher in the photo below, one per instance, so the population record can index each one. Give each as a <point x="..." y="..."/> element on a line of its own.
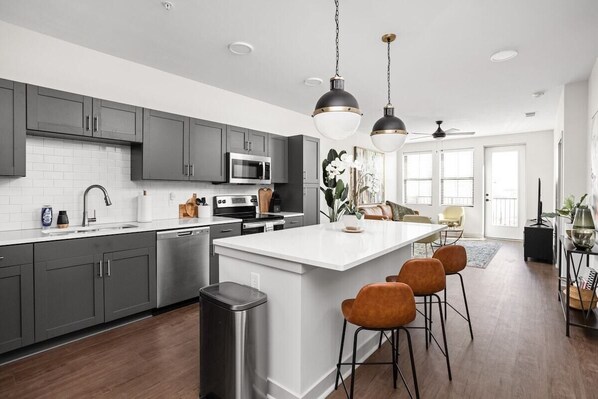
<point x="183" y="263"/>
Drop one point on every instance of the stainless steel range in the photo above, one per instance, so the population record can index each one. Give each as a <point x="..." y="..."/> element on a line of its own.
<point x="244" y="207"/>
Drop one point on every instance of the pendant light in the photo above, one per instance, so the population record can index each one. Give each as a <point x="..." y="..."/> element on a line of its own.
<point x="337" y="113"/>
<point x="389" y="132"/>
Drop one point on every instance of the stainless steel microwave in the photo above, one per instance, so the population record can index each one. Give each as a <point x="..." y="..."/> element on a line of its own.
<point x="248" y="169"/>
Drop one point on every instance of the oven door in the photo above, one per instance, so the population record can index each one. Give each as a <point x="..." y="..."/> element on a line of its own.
<point x="248" y="169"/>
<point x="260" y="227"/>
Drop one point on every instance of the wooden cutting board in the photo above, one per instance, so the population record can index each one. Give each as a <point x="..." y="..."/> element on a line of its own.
<point x="264" y="195"/>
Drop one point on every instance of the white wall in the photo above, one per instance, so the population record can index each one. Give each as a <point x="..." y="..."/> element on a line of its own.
<point x="592" y="118"/>
<point x="538" y="164"/>
<point x="68" y="67"/>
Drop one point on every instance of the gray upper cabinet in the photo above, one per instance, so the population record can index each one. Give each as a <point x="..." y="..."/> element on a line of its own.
<point x="279" y="153"/>
<point x="12" y="128"/>
<point x="311" y="160"/>
<point x="245" y="141"/>
<point x="164" y="154"/>
<point x="59" y="112"/>
<point x="129" y="282"/>
<point x="237" y="139"/>
<point x="83" y="282"/>
<point x="207" y="146"/>
<point x="117" y="121"/>
<point x="56" y="111"/>
<point x="16" y="297"/>
<point x="259" y="143"/>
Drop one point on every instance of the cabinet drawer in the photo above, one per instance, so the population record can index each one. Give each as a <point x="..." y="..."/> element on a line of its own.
<point x="16" y="255"/>
<point x="293" y="221"/>
<point x="225" y="230"/>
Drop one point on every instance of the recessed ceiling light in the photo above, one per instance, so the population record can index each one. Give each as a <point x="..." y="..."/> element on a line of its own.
<point x="538" y="94"/>
<point x="312" y="82"/>
<point x="167" y="5"/>
<point x="503" y="55"/>
<point x="240" y="48"/>
<point x="530" y="114"/>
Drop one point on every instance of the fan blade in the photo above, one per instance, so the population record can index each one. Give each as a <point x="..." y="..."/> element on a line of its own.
<point x="452" y="130"/>
<point x="461" y="134"/>
<point x="419" y="138"/>
<point x="423" y="134"/>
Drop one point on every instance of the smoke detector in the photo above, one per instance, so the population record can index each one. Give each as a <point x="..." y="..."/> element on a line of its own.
<point x="240" y="48"/>
<point x="503" y="55"/>
<point x="312" y="82"/>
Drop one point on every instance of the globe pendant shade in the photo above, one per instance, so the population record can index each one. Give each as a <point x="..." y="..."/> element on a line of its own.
<point x="389" y="132"/>
<point x="337" y="115"/>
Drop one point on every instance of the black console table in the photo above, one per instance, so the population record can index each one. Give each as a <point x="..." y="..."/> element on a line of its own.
<point x="586" y="317"/>
<point x="537" y="242"/>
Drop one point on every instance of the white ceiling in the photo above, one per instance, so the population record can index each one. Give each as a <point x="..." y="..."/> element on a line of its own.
<point x="441" y="67"/>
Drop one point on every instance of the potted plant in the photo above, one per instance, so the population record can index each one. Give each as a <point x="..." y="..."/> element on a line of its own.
<point x="567" y="211"/>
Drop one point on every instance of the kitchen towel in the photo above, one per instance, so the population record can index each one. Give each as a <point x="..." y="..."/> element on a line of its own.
<point x="269" y="227"/>
<point x="144" y="208"/>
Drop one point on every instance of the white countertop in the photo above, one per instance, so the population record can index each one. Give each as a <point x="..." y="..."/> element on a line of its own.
<point x="327" y="246"/>
<point x="37" y="235"/>
<point x="284" y="214"/>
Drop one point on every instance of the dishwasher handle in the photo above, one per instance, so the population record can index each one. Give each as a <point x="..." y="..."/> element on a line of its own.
<point x="182" y="233"/>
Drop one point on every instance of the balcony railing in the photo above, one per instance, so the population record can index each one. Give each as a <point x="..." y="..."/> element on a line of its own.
<point x="505" y="212"/>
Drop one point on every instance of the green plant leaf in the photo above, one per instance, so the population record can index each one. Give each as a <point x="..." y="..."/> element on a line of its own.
<point x="340" y="187"/>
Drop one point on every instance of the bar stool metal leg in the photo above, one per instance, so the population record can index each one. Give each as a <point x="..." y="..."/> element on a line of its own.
<point x="412" y="363"/>
<point x="395" y="368"/>
<point x="340" y="355"/>
<point x="445" y="305"/>
<point x="354" y="361"/>
<point x="466" y="306"/>
<point x="426" y="330"/>
<point x="446" y="352"/>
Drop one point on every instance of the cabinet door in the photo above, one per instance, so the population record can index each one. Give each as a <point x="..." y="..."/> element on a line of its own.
<point x="311" y="205"/>
<point x="279" y="153"/>
<point x="16" y="307"/>
<point x="237" y="139"/>
<point x="220" y="231"/>
<point x="69" y="295"/>
<point x="165" y="140"/>
<point x="12" y="128"/>
<point x="58" y="112"/>
<point x="258" y="143"/>
<point x="207" y="151"/>
<point x="311" y="160"/>
<point x="129" y="282"/>
<point x="117" y="121"/>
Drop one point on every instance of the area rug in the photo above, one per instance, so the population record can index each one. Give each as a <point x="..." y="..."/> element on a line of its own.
<point x="479" y="252"/>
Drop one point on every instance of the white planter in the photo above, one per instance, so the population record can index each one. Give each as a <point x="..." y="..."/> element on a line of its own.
<point x="352" y="223"/>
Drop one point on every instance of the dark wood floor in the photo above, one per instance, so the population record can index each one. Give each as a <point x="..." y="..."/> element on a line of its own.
<point x="520" y="350"/>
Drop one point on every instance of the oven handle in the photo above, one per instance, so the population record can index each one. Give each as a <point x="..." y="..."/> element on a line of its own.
<point x="261" y="224"/>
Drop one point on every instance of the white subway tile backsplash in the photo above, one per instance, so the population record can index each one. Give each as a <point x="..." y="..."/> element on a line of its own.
<point x="59" y="171"/>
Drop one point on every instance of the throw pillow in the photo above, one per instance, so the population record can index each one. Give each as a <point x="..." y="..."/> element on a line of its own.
<point x="398" y="211"/>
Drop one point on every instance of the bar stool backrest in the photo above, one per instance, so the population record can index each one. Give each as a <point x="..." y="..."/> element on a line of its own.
<point x="383" y="305"/>
<point x="453" y="258"/>
<point x="425" y="276"/>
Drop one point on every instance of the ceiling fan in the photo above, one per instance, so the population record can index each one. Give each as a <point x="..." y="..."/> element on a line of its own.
<point x="440" y="134"/>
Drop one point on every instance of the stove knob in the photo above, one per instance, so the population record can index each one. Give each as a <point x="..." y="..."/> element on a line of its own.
<point x="220" y="201"/>
<point x="224" y="201"/>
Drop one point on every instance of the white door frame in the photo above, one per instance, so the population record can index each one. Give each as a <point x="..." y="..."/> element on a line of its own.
<point x="509" y="233"/>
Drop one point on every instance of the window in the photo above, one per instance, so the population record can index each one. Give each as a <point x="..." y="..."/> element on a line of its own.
<point x="456" y="177"/>
<point x="417" y="178"/>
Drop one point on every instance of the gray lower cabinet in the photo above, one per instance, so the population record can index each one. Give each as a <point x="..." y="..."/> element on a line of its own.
<point x="207" y="148"/>
<point x="80" y="283"/>
<point x="59" y="112"/>
<point x="311" y="205"/>
<point x="16" y="297"/>
<point x="12" y="128"/>
<point x="246" y="141"/>
<point x="117" y="121"/>
<point x="279" y="154"/>
<point x="220" y="231"/>
<point x="290" y="222"/>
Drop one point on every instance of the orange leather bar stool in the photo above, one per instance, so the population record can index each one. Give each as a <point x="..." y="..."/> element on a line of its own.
<point x="379" y="307"/>
<point x="454" y="260"/>
<point x="426" y="278"/>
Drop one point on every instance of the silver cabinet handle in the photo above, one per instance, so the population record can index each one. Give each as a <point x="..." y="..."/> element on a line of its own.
<point x="1" y="257"/>
<point x="186" y="170"/>
<point x="87" y="123"/>
<point x="294" y="221"/>
<point x="250" y="146"/>
<point x="246" y="145"/>
<point x="109" y="268"/>
<point x="101" y="273"/>
<point x="95" y="123"/>
<point x="192" y="168"/>
<point x="304" y="175"/>
<point x="226" y="230"/>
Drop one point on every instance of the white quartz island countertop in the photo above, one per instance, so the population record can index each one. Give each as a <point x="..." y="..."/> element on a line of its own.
<point x="327" y="246"/>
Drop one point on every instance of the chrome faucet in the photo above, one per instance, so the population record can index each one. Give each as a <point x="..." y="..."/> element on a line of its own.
<point x="86" y="219"/>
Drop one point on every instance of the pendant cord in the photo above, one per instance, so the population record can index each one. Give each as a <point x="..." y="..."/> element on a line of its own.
<point x="388" y="70"/>
<point x="337" y="33"/>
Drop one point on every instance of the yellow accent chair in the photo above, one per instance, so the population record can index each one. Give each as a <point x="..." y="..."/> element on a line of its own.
<point x="452" y="215"/>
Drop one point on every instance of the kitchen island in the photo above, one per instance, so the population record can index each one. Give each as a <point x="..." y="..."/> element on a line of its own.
<point x="307" y="272"/>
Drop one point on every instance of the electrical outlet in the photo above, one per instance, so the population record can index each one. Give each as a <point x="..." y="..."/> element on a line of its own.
<point x="255" y="281"/>
<point x="171" y="198"/>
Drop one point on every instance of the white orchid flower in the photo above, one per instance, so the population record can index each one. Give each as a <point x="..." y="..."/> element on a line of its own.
<point x="337" y="163"/>
<point x="346" y="158"/>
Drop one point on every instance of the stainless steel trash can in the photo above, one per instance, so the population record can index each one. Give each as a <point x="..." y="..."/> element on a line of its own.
<point x="233" y="353"/>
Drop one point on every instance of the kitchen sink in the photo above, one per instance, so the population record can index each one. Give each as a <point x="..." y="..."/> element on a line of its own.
<point x="88" y="229"/>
